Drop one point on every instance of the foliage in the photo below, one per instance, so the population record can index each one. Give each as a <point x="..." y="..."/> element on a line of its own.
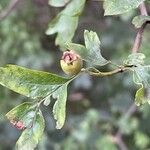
<point x="66" y="22"/>
<point x="51" y="89"/>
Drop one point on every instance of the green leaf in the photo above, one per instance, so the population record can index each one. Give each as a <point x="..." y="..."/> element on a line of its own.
<point x="141" y="77"/>
<point x="92" y="44"/>
<point x="65" y="27"/>
<point x="139" y="96"/>
<point x="74" y="8"/>
<point x="135" y="59"/>
<point x="78" y="48"/>
<point x="24" y="113"/>
<point x="58" y="3"/>
<point x="65" y="23"/>
<point x="138" y="21"/>
<point x="59" y="108"/>
<point x="115" y="7"/>
<point x="31" y="83"/>
<point x="31" y="136"/>
<point x="91" y="51"/>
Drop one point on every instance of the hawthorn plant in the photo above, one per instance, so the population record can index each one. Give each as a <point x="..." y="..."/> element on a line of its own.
<point x="42" y="86"/>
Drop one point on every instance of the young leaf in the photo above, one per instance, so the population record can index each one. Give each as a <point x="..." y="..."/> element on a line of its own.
<point x="141" y="77"/>
<point x="140" y="96"/>
<point x="31" y="83"/>
<point x="92" y="44"/>
<point x="66" y="22"/>
<point x="59" y="108"/>
<point x="138" y="21"/>
<point x="58" y="3"/>
<point x="115" y="7"/>
<point x="31" y="136"/>
<point x="91" y="51"/>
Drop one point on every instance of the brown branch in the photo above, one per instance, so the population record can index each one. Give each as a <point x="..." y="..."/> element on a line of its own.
<point x="98" y="73"/>
<point x="139" y="36"/>
<point x="117" y="138"/>
<point x="4" y="13"/>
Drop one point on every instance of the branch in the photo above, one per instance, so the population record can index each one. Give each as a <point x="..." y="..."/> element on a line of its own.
<point x="8" y="9"/>
<point x="139" y="36"/>
<point x="117" y="139"/>
<point x="98" y="73"/>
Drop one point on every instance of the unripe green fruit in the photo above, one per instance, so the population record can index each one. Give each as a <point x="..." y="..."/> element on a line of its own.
<point x="71" y="63"/>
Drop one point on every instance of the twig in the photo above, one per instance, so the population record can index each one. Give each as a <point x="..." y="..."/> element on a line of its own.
<point x="138" y="39"/>
<point x="4" y="13"/>
<point x="143" y="9"/>
<point x="102" y="74"/>
<point x="117" y="138"/>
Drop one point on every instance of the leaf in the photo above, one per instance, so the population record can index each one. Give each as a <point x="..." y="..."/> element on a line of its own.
<point x="78" y="48"/>
<point x="135" y="59"/>
<point x="59" y="108"/>
<point x="74" y="8"/>
<point x="24" y="113"/>
<point x="91" y="51"/>
<point x="92" y="44"/>
<point x="58" y="3"/>
<point x="141" y="77"/>
<point x="138" y="21"/>
<point x="139" y="96"/>
<point x="115" y="7"/>
<point x="31" y="83"/>
<point x="65" y="26"/>
<point x="31" y="136"/>
<point x="66" y="22"/>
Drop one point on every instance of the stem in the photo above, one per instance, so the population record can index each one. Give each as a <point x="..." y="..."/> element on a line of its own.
<point x="117" y="139"/>
<point x="143" y="9"/>
<point x="109" y="73"/>
<point x="139" y="36"/>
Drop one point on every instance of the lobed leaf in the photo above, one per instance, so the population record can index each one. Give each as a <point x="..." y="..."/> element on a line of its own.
<point x="31" y="83"/>
<point x="115" y="7"/>
<point x="92" y="44"/>
<point x="64" y="26"/>
<point x="65" y="23"/>
<point x="141" y="77"/>
<point x="59" y="108"/>
<point x="31" y="136"/>
<point x="91" y="51"/>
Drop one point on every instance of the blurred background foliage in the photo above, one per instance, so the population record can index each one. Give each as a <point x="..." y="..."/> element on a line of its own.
<point x="100" y="111"/>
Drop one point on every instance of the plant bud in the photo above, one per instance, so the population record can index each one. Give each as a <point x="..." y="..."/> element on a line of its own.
<point x="71" y="63"/>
